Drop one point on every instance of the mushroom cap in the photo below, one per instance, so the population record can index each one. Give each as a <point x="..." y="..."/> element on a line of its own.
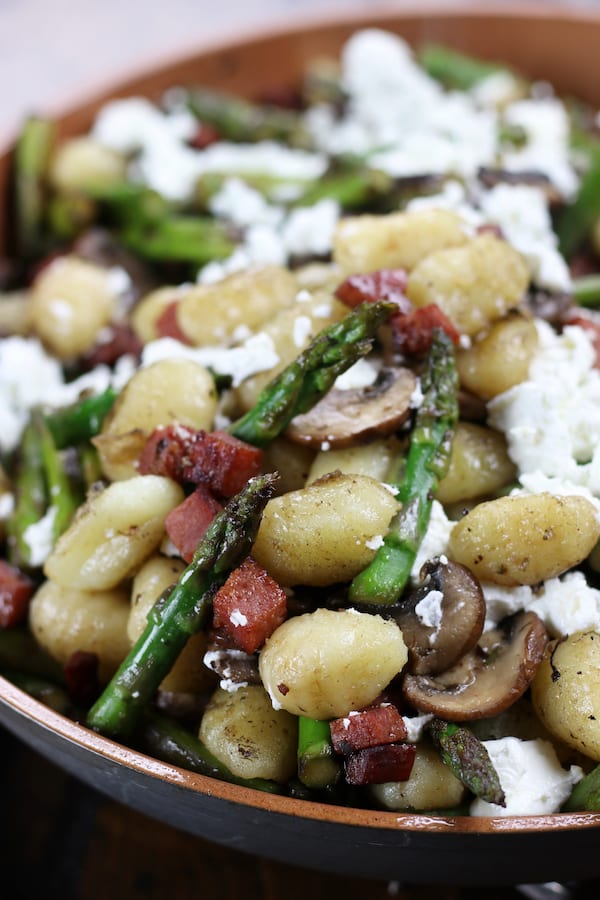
<point x="489" y="678"/>
<point x="434" y="649"/>
<point x="343" y="418"/>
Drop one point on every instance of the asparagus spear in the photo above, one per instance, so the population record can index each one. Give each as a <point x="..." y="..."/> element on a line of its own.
<point x="19" y="651"/>
<point x="456" y="70"/>
<point x="384" y="579"/>
<point x="317" y="765"/>
<point x="182" y="612"/>
<point x="32" y="154"/>
<point x="586" y="291"/>
<point x="165" y="739"/>
<point x="63" y="498"/>
<point x="179" y="238"/>
<point x="31" y="498"/>
<point x="79" y="422"/>
<point x="576" y="219"/>
<point x="309" y="377"/>
<point x="242" y="121"/>
<point x="468" y="759"/>
<point x="585" y="796"/>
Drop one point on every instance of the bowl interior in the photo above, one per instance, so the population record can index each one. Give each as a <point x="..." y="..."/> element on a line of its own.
<point x="559" y="46"/>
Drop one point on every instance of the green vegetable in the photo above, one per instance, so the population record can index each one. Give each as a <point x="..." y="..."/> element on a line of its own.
<point x="456" y="70"/>
<point x="20" y="652"/>
<point x="43" y="690"/>
<point x="79" y="422"/>
<point x="63" y="496"/>
<point x="309" y="377"/>
<point x="31" y="497"/>
<point x="32" y="155"/>
<point x="165" y="739"/>
<point x="317" y="766"/>
<point x="239" y="120"/>
<point x="577" y="218"/>
<point x="182" y="612"/>
<point x="585" y="796"/>
<point x="384" y="579"/>
<point x="468" y="759"/>
<point x="586" y="290"/>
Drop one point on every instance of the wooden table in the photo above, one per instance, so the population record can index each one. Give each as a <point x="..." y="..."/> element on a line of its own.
<point x="60" y="840"/>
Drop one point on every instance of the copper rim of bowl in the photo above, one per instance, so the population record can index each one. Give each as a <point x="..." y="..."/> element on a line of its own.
<point x="72" y="732"/>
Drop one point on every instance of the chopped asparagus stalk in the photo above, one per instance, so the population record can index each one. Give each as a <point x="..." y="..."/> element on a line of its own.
<point x="79" y="422"/>
<point x="468" y="759"/>
<point x="239" y="120"/>
<point x="586" y="290"/>
<point x="32" y="155"/>
<point x="183" y="612"/>
<point x="585" y="796"/>
<point x="317" y="765"/>
<point x="168" y="741"/>
<point x="309" y="377"/>
<point x="456" y="70"/>
<point x="31" y="498"/>
<point x="63" y="498"/>
<point x="179" y="238"/>
<point x="384" y="579"/>
<point x="577" y="218"/>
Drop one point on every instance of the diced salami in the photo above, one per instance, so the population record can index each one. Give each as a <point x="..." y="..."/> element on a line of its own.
<point x="367" y="728"/>
<point x="81" y="677"/>
<point x="377" y="765"/>
<point x="16" y="590"/>
<point x="216" y="459"/>
<point x="249" y="606"/>
<point x="412" y="332"/>
<point x="187" y="523"/>
<point x="167" y="324"/>
<point x="385" y="284"/>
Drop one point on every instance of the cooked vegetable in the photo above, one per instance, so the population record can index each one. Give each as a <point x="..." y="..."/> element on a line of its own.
<point x="317" y="765"/>
<point x="468" y="759"/>
<point x="383" y="580"/>
<point x="183" y="612"/>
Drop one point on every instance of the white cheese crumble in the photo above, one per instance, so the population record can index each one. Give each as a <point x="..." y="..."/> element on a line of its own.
<point x="213" y="659"/>
<point x="256" y="354"/>
<point x="429" y="612"/>
<point x="531" y="777"/>
<point x="565" y="605"/>
<point x="552" y="420"/>
<point x="363" y="373"/>
<point x="435" y="542"/>
<point x="415" y="726"/>
<point x="39" y="538"/>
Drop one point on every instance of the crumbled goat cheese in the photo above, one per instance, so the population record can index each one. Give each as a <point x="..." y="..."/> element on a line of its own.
<point x="565" y="605"/>
<point x="531" y="777"/>
<point x="39" y="538"/>
<point x="31" y="377"/>
<point x="496" y="89"/>
<point x="552" y="420"/>
<point x="256" y="354"/>
<point x="165" y="162"/>
<point x="545" y="122"/>
<point x="435" y="542"/>
<point x="7" y="505"/>
<point x="214" y="659"/>
<point x="243" y="205"/>
<point x="393" y="104"/>
<point x="375" y="542"/>
<point x="363" y="373"/>
<point x="308" y="230"/>
<point x="415" y="726"/>
<point x="237" y="617"/>
<point x="301" y="331"/>
<point x="522" y="213"/>
<point x="429" y="612"/>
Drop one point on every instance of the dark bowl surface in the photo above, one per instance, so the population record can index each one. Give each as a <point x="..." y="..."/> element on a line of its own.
<point x="562" y="46"/>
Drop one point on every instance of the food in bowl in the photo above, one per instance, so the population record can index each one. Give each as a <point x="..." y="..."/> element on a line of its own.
<point x="299" y="433"/>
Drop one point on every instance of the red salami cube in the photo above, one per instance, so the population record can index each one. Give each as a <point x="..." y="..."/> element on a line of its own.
<point x="377" y="765"/>
<point x="367" y="728"/>
<point x="16" y="590"/>
<point x="249" y="606"/>
<point x="187" y="523"/>
<point x="385" y="284"/>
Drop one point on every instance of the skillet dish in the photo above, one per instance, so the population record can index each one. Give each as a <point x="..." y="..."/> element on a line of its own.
<point x="487" y="732"/>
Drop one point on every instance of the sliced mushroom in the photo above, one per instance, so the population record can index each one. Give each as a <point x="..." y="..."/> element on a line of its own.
<point x="487" y="680"/>
<point x="454" y="593"/>
<point x="343" y="418"/>
<point x="491" y="177"/>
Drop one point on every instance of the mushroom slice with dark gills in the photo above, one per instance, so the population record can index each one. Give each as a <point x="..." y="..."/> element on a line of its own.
<point x="443" y="618"/>
<point x="345" y="417"/>
<point x="489" y="678"/>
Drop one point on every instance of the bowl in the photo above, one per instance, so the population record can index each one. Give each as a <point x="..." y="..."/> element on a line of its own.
<point x="562" y="46"/>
